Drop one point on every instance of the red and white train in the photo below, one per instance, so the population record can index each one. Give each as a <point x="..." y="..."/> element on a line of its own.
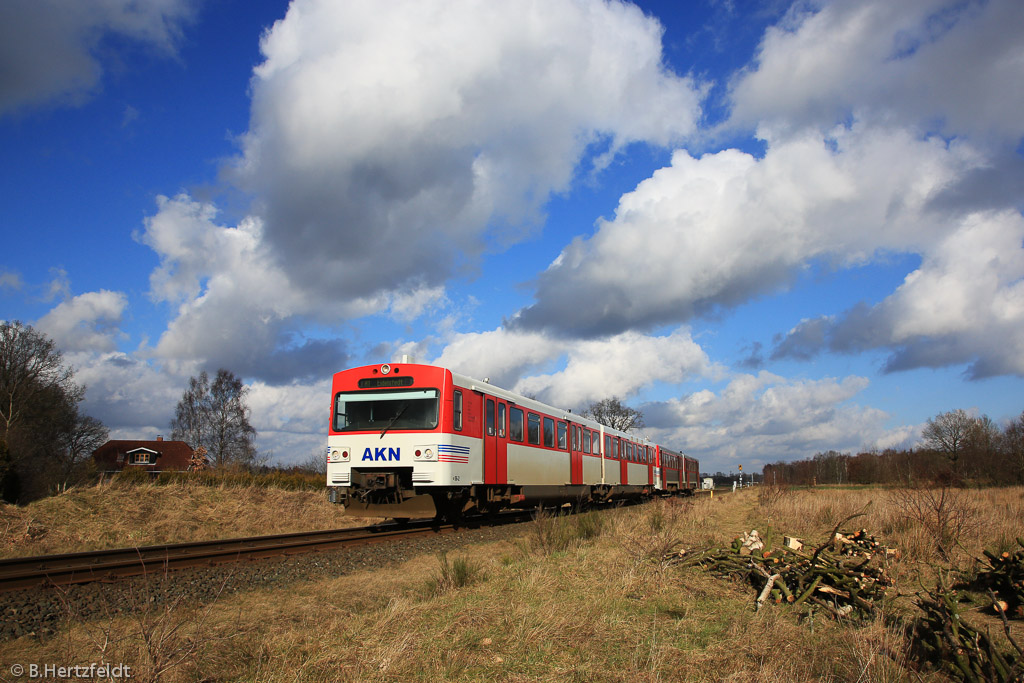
<point x="420" y="441"/>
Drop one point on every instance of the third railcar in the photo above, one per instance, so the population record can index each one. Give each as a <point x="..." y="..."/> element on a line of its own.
<point x="420" y="441"/>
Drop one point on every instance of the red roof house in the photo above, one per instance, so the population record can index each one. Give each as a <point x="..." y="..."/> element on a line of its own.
<point x="153" y="456"/>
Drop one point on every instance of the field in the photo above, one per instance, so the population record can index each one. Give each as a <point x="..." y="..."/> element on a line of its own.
<point x="584" y="598"/>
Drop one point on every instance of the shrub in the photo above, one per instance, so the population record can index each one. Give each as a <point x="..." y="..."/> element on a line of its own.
<point x="458" y="573"/>
<point x="946" y="514"/>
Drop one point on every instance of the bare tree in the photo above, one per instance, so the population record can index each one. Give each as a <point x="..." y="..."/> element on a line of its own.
<point x="1012" y="445"/>
<point x="46" y="439"/>
<point x="80" y="436"/>
<point x="949" y="433"/>
<point x="189" y="423"/>
<point x="215" y="416"/>
<point x="612" y="413"/>
<point x="316" y="463"/>
<point x="31" y="367"/>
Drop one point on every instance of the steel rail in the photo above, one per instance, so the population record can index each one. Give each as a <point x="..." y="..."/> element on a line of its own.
<point x="109" y="565"/>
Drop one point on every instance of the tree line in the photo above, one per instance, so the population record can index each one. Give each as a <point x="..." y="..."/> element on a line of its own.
<point x="956" y="449"/>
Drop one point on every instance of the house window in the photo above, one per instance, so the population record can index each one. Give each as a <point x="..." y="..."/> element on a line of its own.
<point x="139" y="459"/>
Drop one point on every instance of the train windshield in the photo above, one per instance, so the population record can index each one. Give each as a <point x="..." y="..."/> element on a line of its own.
<point x="385" y="410"/>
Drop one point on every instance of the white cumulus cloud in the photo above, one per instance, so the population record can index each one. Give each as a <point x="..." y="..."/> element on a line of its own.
<point x="574" y="373"/>
<point x="954" y="66"/>
<point x="391" y="143"/>
<point x="712" y="232"/>
<point x="86" y="322"/>
<point x="756" y="419"/>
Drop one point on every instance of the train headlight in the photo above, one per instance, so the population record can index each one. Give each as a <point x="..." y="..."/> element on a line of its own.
<point x="425" y="453"/>
<point x="340" y="454"/>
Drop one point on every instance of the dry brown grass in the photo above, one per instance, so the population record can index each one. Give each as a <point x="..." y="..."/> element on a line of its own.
<point x="112" y="516"/>
<point x="599" y="608"/>
<point x="923" y="523"/>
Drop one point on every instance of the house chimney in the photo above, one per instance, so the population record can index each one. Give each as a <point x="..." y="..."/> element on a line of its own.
<point x="159" y="437"/>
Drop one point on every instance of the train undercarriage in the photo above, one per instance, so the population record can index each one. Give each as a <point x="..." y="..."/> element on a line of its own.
<point x="391" y="494"/>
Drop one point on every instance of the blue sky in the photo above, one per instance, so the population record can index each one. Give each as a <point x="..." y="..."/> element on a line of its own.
<point x="775" y="228"/>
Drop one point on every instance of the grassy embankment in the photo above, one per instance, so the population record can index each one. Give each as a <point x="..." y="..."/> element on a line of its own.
<point x="119" y="515"/>
<point x="584" y="598"/>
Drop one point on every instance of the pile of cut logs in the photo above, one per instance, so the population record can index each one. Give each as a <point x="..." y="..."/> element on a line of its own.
<point x="1004" y="578"/>
<point x="844" y="577"/>
<point x="966" y="653"/>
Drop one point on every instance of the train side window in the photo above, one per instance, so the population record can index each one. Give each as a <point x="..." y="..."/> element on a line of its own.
<point x="586" y="440"/>
<point x="501" y="420"/>
<point x="457" y="410"/>
<point x="490" y="417"/>
<point x="561" y="436"/>
<point x="533" y="429"/>
<point x="515" y="424"/>
<point x="574" y="438"/>
<point x="615" y="449"/>
<point x="549" y="432"/>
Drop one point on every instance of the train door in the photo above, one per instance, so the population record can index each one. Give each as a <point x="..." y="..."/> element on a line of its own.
<point x="623" y="462"/>
<point x="575" y="454"/>
<point x="658" y="481"/>
<point x="495" y="441"/>
<point x="649" y="462"/>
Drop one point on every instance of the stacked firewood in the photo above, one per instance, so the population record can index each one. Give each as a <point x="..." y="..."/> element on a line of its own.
<point x="844" y="577"/>
<point x="942" y="637"/>
<point x="1004" y="578"/>
<point x="859" y="544"/>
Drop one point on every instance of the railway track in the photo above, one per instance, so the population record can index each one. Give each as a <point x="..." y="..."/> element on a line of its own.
<point x="111" y="565"/>
<point x="114" y="564"/>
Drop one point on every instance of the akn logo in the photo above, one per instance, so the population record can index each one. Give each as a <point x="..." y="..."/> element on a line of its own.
<point x="382" y="454"/>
